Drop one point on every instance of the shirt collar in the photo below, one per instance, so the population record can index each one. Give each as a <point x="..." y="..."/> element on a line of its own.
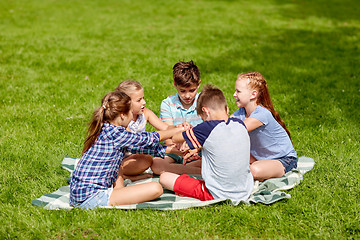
<point x="178" y="103"/>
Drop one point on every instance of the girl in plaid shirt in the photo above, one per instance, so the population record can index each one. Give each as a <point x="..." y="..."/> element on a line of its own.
<point x="96" y="180"/>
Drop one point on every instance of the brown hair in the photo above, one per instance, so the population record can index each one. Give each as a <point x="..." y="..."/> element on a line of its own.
<point x="112" y="105"/>
<point x="257" y="82"/>
<point x="186" y="74"/>
<point x="129" y="86"/>
<point x="211" y="97"/>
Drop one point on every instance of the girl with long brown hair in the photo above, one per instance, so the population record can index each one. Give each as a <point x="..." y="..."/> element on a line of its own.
<point x="272" y="152"/>
<point x="96" y="180"/>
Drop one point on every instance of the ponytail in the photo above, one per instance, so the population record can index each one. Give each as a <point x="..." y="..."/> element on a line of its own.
<point x="112" y="105"/>
<point x="258" y="82"/>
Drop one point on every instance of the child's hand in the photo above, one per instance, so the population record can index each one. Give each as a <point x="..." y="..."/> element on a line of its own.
<point x="186" y="126"/>
<point x="174" y="150"/>
<point x="183" y="147"/>
<point x="192" y="154"/>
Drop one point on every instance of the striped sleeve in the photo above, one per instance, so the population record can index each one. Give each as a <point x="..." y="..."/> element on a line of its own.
<point x="196" y="137"/>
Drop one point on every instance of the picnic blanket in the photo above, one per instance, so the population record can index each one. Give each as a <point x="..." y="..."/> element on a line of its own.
<point x="267" y="192"/>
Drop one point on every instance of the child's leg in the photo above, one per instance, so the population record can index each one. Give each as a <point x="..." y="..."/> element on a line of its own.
<point x="185" y="185"/>
<point x="135" y="194"/>
<point x="265" y="169"/>
<point x="167" y="180"/>
<point x="134" y="165"/>
<point x="168" y="164"/>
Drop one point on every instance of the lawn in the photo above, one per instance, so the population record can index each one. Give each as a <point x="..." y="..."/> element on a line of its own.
<point x="59" y="58"/>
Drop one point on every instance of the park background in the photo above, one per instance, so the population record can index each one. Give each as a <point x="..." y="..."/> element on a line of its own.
<point x="59" y="58"/>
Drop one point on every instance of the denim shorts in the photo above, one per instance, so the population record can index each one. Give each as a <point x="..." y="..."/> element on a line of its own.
<point x="99" y="199"/>
<point x="288" y="162"/>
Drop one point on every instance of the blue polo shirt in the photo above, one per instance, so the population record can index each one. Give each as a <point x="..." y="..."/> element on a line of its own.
<point x="171" y="109"/>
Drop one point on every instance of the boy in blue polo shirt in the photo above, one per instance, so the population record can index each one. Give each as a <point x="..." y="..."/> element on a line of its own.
<point x="177" y="109"/>
<point x="225" y="147"/>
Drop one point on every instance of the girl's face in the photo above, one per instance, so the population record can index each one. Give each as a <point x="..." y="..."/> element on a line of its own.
<point x="242" y="93"/>
<point x="137" y="102"/>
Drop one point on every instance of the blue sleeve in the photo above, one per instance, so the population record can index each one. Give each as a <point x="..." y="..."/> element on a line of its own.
<point x="262" y="114"/>
<point x="196" y="137"/>
<point x="143" y="139"/>
<point x="240" y="113"/>
<point x="157" y="150"/>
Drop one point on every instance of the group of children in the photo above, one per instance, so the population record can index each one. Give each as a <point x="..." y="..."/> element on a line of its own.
<point x="200" y="138"/>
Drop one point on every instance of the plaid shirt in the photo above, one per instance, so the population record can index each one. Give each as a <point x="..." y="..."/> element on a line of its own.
<point x="99" y="166"/>
<point x="171" y="109"/>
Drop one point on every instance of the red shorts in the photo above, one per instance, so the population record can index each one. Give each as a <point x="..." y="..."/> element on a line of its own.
<point x="191" y="187"/>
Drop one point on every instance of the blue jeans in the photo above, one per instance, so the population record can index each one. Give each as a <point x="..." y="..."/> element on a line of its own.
<point x="288" y="162"/>
<point x="99" y="199"/>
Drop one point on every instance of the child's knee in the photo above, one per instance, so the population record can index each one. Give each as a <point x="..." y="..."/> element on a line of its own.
<point x="158" y="166"/>
<point x="148" y="160"/>
<point x="162" y="178"/>
<point x="256" y="171"/>
<point x="157" y="189"/>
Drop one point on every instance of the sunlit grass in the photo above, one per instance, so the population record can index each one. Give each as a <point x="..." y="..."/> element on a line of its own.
<point x="59" y="58"/>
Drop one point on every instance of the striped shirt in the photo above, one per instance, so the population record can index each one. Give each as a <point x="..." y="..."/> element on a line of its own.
<point x="171" y="109"/>
<point x="99" y="166"/>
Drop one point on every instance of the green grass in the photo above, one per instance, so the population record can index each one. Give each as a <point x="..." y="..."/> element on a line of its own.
<point x="59" y="58"/>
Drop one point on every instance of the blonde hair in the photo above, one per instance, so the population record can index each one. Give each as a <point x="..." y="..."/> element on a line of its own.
<point x="112" y="105"/>
<point x="129" y="86"/>
<point x="257" y="82"/>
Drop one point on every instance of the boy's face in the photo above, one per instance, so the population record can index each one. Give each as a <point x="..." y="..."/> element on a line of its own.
<point x="187" y="94"/>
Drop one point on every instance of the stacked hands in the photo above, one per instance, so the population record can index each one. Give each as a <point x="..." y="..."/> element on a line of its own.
<point x="183" y="149"/>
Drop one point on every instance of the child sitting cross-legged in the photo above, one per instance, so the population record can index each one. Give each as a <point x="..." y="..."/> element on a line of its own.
<point x="134" y="165"/>
<point x="96" y="180"/>
<point x="225" y="148"/>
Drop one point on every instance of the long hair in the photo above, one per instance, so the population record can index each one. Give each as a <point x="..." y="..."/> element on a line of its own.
<point x="112" y="105"/>
<point x="129" y="86"/>
<point x="256" y="81"/>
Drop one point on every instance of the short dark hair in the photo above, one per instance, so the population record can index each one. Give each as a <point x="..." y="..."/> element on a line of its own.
<point x="211" y="97"/>
<point x="186" y="74"/>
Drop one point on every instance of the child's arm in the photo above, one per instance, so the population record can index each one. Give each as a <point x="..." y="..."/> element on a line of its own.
<point x="155" y="121"/>
<point x="178" y="138"/>
<point x="252" y="123"/>
<point x="166" y="134"/>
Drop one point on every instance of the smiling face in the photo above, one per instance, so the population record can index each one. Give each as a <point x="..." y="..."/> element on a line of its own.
<point x="137" y="102"/>
<point x="243" y="94"/>
<point x="187" y="94"/>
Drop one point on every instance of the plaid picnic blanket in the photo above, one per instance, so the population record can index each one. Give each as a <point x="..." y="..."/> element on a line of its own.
<point x="266" y="192"/>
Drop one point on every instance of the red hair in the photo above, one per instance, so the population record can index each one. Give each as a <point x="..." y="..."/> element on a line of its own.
<point x="257" y="82"/>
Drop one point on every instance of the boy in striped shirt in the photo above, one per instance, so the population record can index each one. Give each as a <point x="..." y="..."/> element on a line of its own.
<point x="177" y="109"/>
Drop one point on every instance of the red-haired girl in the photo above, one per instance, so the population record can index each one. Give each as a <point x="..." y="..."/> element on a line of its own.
<point x="272" y="152"/>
